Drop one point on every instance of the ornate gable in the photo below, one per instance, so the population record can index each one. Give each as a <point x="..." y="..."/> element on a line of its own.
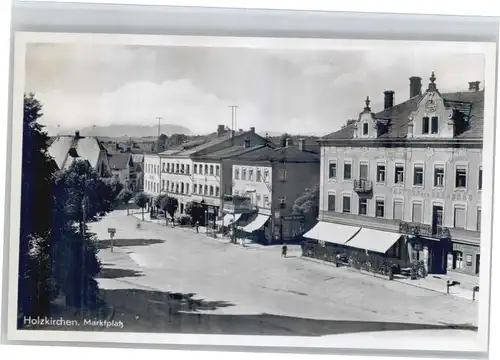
<point x="367" y="126"/>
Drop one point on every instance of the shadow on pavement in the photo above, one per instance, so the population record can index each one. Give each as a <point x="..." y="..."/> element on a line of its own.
<point x="112" y="273"/>
<point x="104" y="244"/>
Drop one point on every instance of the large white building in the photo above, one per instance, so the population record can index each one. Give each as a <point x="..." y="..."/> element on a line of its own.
<point x="406" y="182"/>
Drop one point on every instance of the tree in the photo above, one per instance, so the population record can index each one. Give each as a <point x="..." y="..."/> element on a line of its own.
<point x="283" y="138"/>
<point x="169" y="205"/>
<point x="141" y="199"/>
<point x="125" y="196"/>
<point x="307" y="205"/>
<point x="196" y="211"/>
<point x="161" y="143"/>
<point x="35" y="283"/>
<point x="80" y="196"/>
<point x="115" y="187"/>
<point x="176" y="140"/>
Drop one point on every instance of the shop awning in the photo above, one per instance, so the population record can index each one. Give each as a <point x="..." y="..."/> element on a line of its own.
<point x="229" y="218"/>
<point x="374" y="240"/>
<point x="256" y="224"/>
<point x="332" y="233"/>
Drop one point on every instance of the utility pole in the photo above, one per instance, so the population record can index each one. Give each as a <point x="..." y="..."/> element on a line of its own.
<point x="233" y="116"/>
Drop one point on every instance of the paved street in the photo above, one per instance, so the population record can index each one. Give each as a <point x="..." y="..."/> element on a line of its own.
<point x="245" y="283"/>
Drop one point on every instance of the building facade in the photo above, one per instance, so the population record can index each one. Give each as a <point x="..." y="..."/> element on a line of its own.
<point x="152" y="175"/>
<point x="123" y="168"/>
<point x="272" y="179"/>
<point x="409" y="177"/>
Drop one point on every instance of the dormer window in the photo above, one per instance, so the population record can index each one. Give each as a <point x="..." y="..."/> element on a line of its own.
<point x="434" y="125"/>
<point x="425" y="125"/>
<point x="365" y="129"/>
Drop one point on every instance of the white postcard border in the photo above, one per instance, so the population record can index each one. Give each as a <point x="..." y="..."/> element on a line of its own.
<point x="359" y="341"/>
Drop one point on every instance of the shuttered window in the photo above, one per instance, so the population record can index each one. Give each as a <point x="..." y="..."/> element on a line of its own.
<point x="398" y="210"/>
<point x="331" y="202"/>
<point x="459" y="218"/>
<point x="417" y="213"/>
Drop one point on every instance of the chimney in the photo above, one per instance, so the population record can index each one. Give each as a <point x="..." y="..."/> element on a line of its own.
<point x="415" y="86"/>
<point x="474" y="85"/>
<point x="388" y="99"/>
<point x="232" y="133"/>
<point x="247" y="143"/>
<point x="220" y="130"/>
<point x="252" y="130"/>
<point x="288" y="142"/>
<point x="77" y="134"/>
<point x="302" y="144"/>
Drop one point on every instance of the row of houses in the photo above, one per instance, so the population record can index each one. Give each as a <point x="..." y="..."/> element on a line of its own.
<point x="404" y="182"/>
<point x="239" y="177"/>
<point x="123" y="164"/>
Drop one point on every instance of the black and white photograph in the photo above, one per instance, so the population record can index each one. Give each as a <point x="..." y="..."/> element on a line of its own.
<point x="251" y="191"/>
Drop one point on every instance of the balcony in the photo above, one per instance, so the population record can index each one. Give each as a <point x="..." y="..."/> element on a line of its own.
<point x="416" y="229"/>
<point x="363" y="186"/>
<point x="238" y="204"/>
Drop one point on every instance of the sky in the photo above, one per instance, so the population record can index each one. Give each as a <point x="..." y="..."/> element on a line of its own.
<point x="297" y="91"/>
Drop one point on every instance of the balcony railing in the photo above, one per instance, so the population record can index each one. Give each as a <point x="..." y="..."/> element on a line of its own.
<point x="237" y="204"/>
<point x="417" y="229"/>
<point x="363" y="186"/>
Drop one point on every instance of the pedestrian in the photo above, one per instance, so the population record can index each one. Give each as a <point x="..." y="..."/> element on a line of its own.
<point x="197" y="226"/>
<point x="284" y="249"/>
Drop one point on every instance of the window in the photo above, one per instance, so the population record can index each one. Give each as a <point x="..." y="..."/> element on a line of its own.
<point x="217" y="170"/>
<point x="439" y="175"/>
<point x="266" y="201"/>
<point x="347" y="171"/>
<point x="417" y="212"/>
<point x="243" y="174"/>
<point x="163" y="167"/>
<point x="398" y="210"/>
<point x="237" y="174"/>
<point x="266" y="175"/>
<point x="176" y="187"/>
<point x="381" y="173"/>
<point x="461" y="176"/>
<point x="195" y="168"/>
<point x="346" y="204"/>
<point x="331" y="202"/>
<point x="168" y="185"/>
<point x="211" y="170"/>
<point x="206" y="169"/>
<point x="163" y="185"/>
<point x="211" y="190"/>
<point x="217" y="191"/>
<point x="365" y="129"/>
<point x="459" y="217"/>
<point x="399" y="174"/>
<point x="200" y="189"/>
<point x="458" y="260"/>
<point x="257" y="198"/>
<point x="478" y="226"/>
<point x="187" y="188"/>
<point x="418" y="175"/>
<point x="177" y="168"/>
<point x="182" y="168"/>
<point x="259" y="175"/>
<point x="187" y="169"/>
<point x="480" y="179"/>
<point x="434" y="125"/>
<point x="425" y="125"/>
<point x="205" y="190"/>
<point x="363" y="206"/>
<point x="182" y="188"/>
<point x="363" y="171"/>
<point x="200" y="169"/>
<point x="282" y="174"/>
<point x="168" y="167"/>
<point x="332" y="170"/>
<point x="250" y="174"/>
<point x="195" y="188"/>
<point x="379" y="208"/>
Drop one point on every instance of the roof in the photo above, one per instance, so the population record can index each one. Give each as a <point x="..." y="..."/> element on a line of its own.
<point x="230" y="152"/>
<point x="66" y="148"/>
<point x="283" y="154"/>
<point x="192" y="147"/>
<point x="470" y="103"/>
<point x="119" y="161"/>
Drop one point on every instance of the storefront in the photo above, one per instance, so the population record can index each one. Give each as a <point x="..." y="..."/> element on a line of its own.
<point x="464" y="258"/>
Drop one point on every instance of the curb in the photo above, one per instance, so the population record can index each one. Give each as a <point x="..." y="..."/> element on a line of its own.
<point x="384" y="278"/>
